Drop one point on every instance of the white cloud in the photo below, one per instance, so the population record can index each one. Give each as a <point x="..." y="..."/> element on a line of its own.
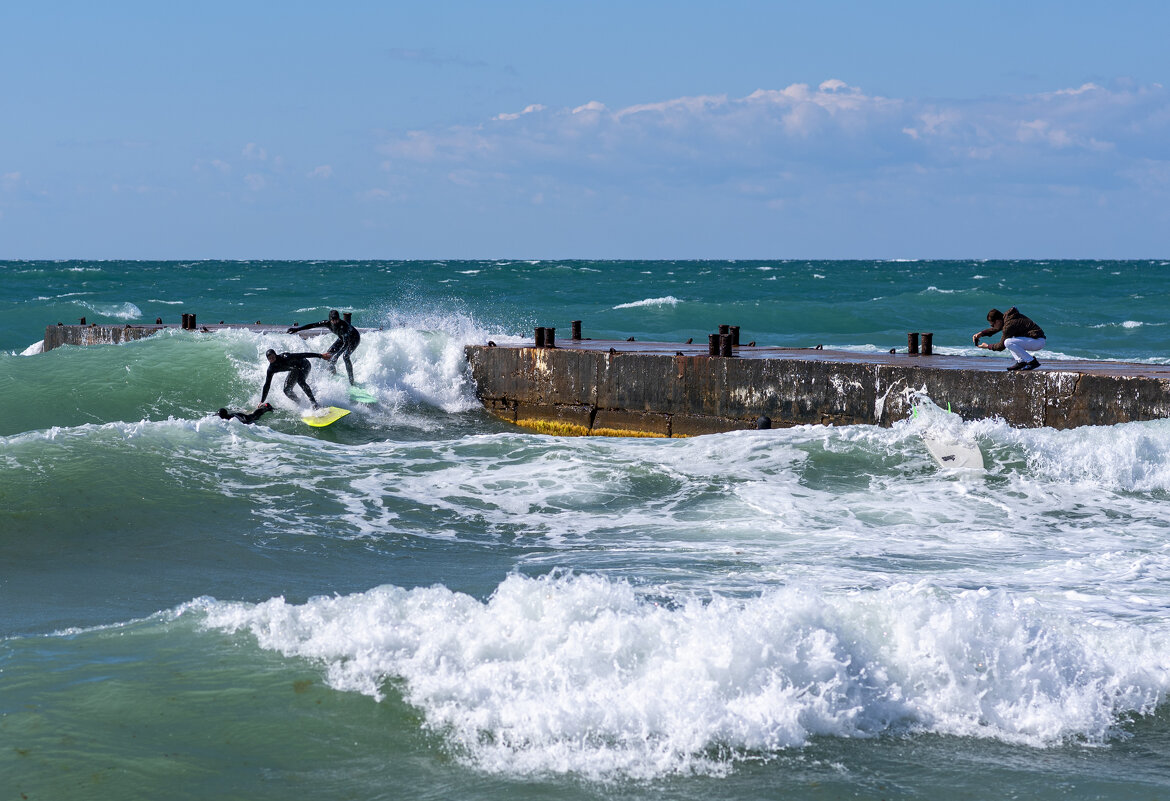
<point x="418" y="146"/>
<point x="684" y="105"/>
<point x="9" y="181"/>
<point x="779" y="140"/>
<point x="1042" y="131"/>
<point x="254" y="152"/>
<point x="323" y="171"/>
<point x="592" y="105"/>
<point x="532" y="109"/>
<point x="255" y="181"/>
<point x="1088" y="87"/>
<point x="218" y="165"/>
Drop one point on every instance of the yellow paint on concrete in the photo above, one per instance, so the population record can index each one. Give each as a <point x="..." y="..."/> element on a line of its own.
<point x="557" y="428"/>
<point x="621" y="432"/>
<point x="554" y="427"/>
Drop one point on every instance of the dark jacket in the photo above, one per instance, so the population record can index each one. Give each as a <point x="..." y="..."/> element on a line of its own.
<point x="1013" y="324"/>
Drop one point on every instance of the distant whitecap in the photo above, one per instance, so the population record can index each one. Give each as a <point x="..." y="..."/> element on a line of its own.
<point x="669" y="300"/>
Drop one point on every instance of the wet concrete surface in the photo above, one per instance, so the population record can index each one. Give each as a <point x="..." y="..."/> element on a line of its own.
<point x="665" y="389"/>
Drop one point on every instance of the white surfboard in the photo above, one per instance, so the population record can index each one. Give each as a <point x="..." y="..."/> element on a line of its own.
<point x="952" y="453"/>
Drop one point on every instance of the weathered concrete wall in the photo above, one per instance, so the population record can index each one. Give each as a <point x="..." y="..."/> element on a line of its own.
<point x="58" y="335"/>
<point x="652" y="389"/>
<point x="93" y="334"/>
<point x="591" y="391"/>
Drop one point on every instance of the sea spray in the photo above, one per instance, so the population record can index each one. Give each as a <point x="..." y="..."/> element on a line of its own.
<point x="583" y="674"/>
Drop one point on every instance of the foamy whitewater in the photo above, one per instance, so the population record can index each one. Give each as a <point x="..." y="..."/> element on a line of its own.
<point x="424" y="601"/>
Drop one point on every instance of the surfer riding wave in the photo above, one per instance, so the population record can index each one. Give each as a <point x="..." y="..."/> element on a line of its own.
<point x="348" y="339"/>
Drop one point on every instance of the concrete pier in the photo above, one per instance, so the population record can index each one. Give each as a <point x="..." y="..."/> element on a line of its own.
<point x="655" y="389"/>
<point x="667" y="390"/>
<point x="93" y="334"/>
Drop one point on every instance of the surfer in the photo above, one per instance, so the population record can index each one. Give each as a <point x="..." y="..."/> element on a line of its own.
<point x="1020" y="336"/>
<point x="246" y="417"/>
<point x="347" y="341"/>
<point x="297" y="366"/>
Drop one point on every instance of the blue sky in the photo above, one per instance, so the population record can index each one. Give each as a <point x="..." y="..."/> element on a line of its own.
<point x="585" y="130"/>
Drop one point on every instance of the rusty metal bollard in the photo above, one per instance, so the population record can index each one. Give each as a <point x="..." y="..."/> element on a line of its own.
<point x="912" y="343"/>
<point x="928" y="344"/>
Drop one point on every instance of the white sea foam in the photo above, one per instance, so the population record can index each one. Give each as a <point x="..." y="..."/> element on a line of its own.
<point x="63" y="295"/>
<point x="583" y="674"/>
<point x="120" y="311"/>
<point x="669" y="300"/>
<point x="420" y="359"/>
<point x="769" y="505"/>
<point x="1125" y="324"/>
<point x="34" y="348"/>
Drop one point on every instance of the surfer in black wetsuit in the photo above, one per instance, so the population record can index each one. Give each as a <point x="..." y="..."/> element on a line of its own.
<point x="246" y="417"/>
<point x="347" y="341"/>
<point x="297" y="366"/>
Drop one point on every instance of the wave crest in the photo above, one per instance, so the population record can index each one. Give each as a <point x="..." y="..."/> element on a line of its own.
<point x="586" y="675"/>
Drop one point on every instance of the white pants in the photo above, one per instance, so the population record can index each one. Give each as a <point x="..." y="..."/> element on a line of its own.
<point x="1019" y="347"/>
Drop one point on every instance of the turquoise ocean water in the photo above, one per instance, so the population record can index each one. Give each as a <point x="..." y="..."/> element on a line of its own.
<point x="424" y="602"/>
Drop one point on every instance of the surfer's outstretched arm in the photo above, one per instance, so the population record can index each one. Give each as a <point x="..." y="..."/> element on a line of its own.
<point x="294" y="329"/>
<point x="267" y="383"/>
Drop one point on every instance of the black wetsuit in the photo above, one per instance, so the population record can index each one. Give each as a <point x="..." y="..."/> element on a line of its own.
<point x="249" y="417"/>
<point x="297" y="366"/>
<point x="347" y="342"/>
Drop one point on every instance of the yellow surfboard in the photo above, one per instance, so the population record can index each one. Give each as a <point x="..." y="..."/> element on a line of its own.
<point x="320" y="418"/>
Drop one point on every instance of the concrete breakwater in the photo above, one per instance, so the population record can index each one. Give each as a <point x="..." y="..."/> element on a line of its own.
<point x="94" y="334"/>
<point x="623" y="388"/>
<point x="666" y="390"/>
